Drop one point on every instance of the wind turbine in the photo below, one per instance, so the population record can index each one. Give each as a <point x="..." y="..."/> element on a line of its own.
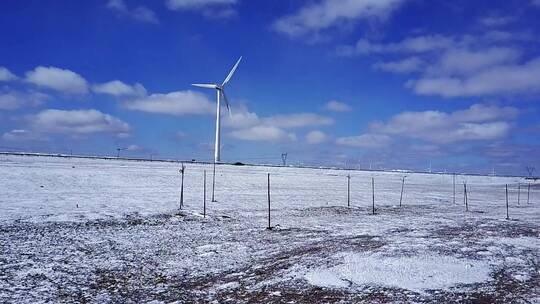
<point x="220" y="89"/>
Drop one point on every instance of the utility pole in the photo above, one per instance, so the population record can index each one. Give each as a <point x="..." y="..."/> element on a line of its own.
<point x="530" y="170"/>
<point x="284" y="158"/>
<point x="118" y="151"/>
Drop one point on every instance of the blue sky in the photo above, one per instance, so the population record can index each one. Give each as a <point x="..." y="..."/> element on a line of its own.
<point x="386" y="83"/>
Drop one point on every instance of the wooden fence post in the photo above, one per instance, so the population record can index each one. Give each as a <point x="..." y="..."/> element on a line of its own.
<point x="213" y="181"/>
<point x="182" y="186"/>
<point x="528" y="192"/>
<point x="269" y="225"/>
<point x="454" y="180"/>
<point x="373" y="195"/>
<point x="348" y="190"/>
<point x="507" y="215"/>
<point x="519" y="191"/>
<point x="465" y="198"/>
<point x="204" y="195"/>
<point x="401" y="195"/>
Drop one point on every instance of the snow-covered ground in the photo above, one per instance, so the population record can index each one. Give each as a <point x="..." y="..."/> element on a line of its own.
<point x="91" y="230"/>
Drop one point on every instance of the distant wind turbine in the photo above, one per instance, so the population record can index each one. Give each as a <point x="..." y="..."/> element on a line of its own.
<point x="220" y="92"/>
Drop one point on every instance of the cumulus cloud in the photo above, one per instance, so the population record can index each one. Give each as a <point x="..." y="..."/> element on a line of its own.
<point x="134" y="148"/>
<point x="174" y="103"/>
<point x="6" y="75"/>
<point x="479" y="122"/>
<point x="13" y="100"/>
<point x="337" y="106"/>
<point x="77" y="122"/>
<point x="407" y="65"/>
<point x="263" y="133"/>
<point x="58" y="79"/>
<point x="503" y="79"/>
<point x="418" y="44"/>
<point x="139" y="13"/>
<point x="241" y="117"/>
<point x="19" y="135"/>
<point x="316" y="137"/>
<point x="499" y="36"/>
<point x="496" y="21"/>
<point x="209" y="8"/>
<point x="458" y="66"/>
<point x="118" y="88"/>
<point x="368" y="141"/>
<point x="463" y="61"/>
<point x="325" y="14"/>
<point x="190" y="4"/>
<point x="249" y="126"/>
<point x="298" y="120"/>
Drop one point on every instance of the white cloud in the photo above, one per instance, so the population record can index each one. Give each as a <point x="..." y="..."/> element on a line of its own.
<point x="195" y="4"/>
<point x="316" y="137"/>
<point x="263" y="133"/>
<point x="479" y="122"/>
<point x="249" y="126"/>
<point x="15" y="100"/>
<point x="6" y="75"/>
<point x="535" y="2"/>
<point x="174" y="103"/>
<point x="208" y="8"/>
<point x="58" y="79"/>
<point x="407" y="65"/>
<point x="503" y="79"/>
<point x="118" y="88"/>
<point x="498" y="36"/>
<point x="140" y="13"/>
<point x="325" y="14"/>
<point x="369" y="141"/>
<point x="337" y="106"/>
<point x="418" y="44"/>
<point x="462" y="61"/>
<point x="495" y="21"/>
<point x="457" y="66"/>
<point x="298" y="120"/>
<point x="134" y="148"/>
<point x="23" y="135"/>
<point x="77" y="122"/>
<point x="241" y="117"/>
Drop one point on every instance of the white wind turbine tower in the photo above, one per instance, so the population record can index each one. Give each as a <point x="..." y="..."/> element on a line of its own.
<point x="220" y="92"/>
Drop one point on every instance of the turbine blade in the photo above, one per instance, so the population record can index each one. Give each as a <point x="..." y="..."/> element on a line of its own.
<point x="231" y="72"/>
<point x="205" y="85"/>
<point x="226" y="102"/>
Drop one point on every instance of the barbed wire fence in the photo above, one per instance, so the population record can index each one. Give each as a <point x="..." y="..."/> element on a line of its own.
<point x="357" y="190"/>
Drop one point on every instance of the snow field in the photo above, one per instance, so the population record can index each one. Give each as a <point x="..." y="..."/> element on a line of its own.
<point x="108" y="218"/>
